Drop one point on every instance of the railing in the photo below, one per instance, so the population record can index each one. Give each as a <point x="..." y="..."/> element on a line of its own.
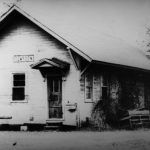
<point x="134" y="121"/>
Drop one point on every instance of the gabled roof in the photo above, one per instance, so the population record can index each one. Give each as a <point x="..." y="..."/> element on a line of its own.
<point x="45" y="28"/>
<point x="50" y="63"/>
<point x="89" y="42"/>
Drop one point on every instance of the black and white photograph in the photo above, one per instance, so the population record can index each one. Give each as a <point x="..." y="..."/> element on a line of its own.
<point x="74" y="74"/>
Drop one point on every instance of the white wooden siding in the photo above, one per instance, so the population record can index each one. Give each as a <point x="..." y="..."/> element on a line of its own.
<point x="23" y="38"/>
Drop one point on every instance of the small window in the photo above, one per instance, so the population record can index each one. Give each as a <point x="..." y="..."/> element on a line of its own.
<point x="88" y="87"/>
<point x="18" y="90"/>
<point x="104" y="93"/>
<point x="105" y="80"/>
<point x="104" y="87"/>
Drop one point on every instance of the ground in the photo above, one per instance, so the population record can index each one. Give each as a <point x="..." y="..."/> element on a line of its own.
<point x="87" y="140"/>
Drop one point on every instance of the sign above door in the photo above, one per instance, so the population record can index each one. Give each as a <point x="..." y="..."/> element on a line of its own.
<point x="23" y="58"/>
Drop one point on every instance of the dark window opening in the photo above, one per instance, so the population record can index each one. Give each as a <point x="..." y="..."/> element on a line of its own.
<point x="89" y="86"/>
<point x="104" y="93"/>
<point x="18" y="90"/>
<point x="105" y="80"/>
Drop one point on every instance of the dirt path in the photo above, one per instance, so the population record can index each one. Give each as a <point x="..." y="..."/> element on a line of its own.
<point x="115" y="140"/>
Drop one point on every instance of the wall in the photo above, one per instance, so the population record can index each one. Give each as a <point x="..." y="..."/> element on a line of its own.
<point x="21" y="37"/>
<point x="126" y="89"/>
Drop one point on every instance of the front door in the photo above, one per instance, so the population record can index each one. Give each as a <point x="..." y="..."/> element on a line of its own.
<point x="54" y="97"/>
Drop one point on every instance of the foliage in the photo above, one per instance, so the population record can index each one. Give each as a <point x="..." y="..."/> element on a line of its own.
<point x="106" y="114"/>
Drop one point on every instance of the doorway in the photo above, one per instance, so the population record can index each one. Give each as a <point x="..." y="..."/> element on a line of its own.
<point x="54" y="86"/>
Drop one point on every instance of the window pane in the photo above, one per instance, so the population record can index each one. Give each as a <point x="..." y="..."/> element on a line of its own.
<point x="89" y="86"/>
<point x="19" y="83"/>
<point x="104" y="93"/>
<point x="19" y="77"/>
<point x="18" y="93"/>
<point x="88" y="92"/>
<point x="105" y="80"/>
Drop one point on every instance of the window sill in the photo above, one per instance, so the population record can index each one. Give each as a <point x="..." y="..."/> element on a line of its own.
<point x="21" y="101"/>
<point x="88" y="101"/>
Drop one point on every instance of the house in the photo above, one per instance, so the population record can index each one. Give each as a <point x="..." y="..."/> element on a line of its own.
<point x="46" y="79"/>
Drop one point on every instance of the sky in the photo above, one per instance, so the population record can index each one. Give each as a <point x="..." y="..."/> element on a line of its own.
<point x="124" y="19"/>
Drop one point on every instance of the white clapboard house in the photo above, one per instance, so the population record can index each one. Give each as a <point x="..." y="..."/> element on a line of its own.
<point x="45" y="78"/>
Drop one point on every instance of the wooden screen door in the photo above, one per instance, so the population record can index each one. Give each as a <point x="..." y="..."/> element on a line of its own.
<point x="54" y="97"/>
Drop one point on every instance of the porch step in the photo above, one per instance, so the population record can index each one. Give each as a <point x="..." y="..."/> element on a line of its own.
<point x="53" y="125"/>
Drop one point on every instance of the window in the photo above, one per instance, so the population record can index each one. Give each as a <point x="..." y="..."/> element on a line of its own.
<point x="18" y="90"/>
<point x="104" y="87"/>
<point x="88" y="87"/>
<point x="104" y="93"/>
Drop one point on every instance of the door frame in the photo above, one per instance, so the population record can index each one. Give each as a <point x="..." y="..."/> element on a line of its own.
<point x="53" y="76"/>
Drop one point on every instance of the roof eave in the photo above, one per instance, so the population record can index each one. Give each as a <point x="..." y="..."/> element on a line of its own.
<point x="120" y="66"/>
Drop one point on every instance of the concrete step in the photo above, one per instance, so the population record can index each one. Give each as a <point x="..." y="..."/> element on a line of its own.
<point x="53" y="125"/>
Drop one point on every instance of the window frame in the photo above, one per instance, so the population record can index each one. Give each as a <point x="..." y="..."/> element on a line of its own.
<point x="104" y="77"/>
<point x="104" y="84"/>
<point x="25" y="100"/>
<point x="88" y="100"/>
